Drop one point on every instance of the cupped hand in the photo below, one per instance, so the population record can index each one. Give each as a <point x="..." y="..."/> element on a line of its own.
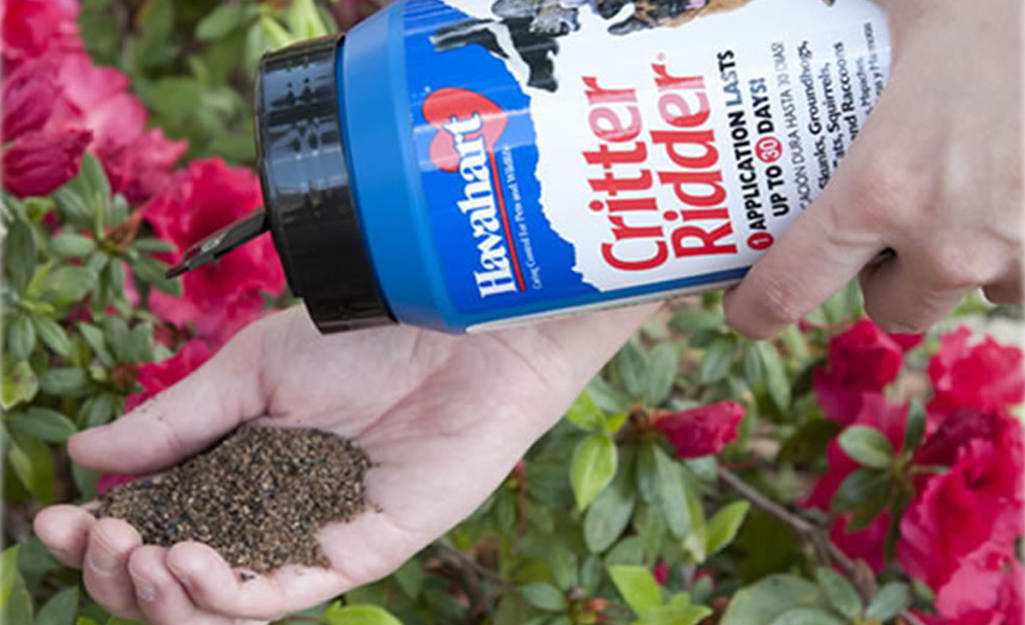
<point x="442" y="418"/>
<point x="935" y="177"/>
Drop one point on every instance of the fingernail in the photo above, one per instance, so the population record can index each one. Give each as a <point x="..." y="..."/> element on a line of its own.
<point x="144" y="590"/>
<point x="102" y="563"/>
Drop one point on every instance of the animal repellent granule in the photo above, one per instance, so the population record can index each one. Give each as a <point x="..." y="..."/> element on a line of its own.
<point x="260" y="497"/>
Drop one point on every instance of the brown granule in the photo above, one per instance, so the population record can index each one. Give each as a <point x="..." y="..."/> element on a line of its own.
<point x="259" y="497"/>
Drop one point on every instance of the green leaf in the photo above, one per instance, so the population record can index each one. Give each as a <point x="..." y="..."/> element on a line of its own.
<point x="74" y="203"/>
<point x="15" y="600"/>
<point x="154" y="245"/>
<point x="8" y="571"/>
<point x="220" y="22"/>
<point x="276" y="33"/>
<point x="752" y="363"/>
<point x="358" y="615"/>
<point x="610" y="513"/>
<point x="564" y="567"/>
<point x="672" y="495"/>
<point x="118" y="338"/>
<point x="544" y="596"/>
<point x="638" y="587"/>
<point x="914" y="428"/>
<point x="592" y="468"/>
<point x="585" y="413"/>
<point x="776" y="380"/>
<point x="808" y="615"/>
<point x="19" y="385"/>
<point x="675" y="614"/>
<point x="153" y="271"/>
<point x="140" y="347"/>
<point x="767" y="599"/>
<point x="68" y="285"/>
<point x="857" y="488"/>
<point x="691" y="320"/>
<point x="647" y="473"/>
<point x="304" y="20"/>
<point x="19" y="253"/>
<point x="867" y="446"/>
<point x="21" y="337"/>
<point x="808" y="444"/>
<point x="722" y="528"/>
<point x="651" y="528"/>
<point x="840" y="593"/>
<point x="33" y="464"/>
<point x="42" y="423"/>
<point x="97" y="410"/>
<point x="715" y="364"/>
<point x="61" y="609"/>
<point x="95" y="338"/>
<point x="410" y="578"/>
<point x="662" y="369"/>
<point x="70" y="245"/>
<point x="888" y="602"/>
<point x="66" y="382"/>
<point x="52" y="334"/>
<point x="92" y="173"/>
<point x="632" y="363"/>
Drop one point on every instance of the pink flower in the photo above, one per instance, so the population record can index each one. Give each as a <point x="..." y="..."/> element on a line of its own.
<point x="32" y="28"/>
<point x="862" y="359"/>
<point x="986" y="375"/>
<point x="141" y="169"/>
<point x="38" y="163"/>
<point x="218" y="299"/>
<point x="158" y="376"/>
<point x="703" y="430"/>
<point x="986" y="590"/>
<point x="977" y="505"/>
<point x="29" y="96"/>
<point x="967" y="424"/>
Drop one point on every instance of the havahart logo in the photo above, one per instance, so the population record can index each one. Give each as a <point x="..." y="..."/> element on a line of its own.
<point x="469" y="125"/>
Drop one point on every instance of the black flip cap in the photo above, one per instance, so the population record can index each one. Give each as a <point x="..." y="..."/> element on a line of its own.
<point x="310" y="209"/>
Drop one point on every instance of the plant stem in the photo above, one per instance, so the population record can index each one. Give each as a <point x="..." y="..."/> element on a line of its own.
<point x="802" y="526"/>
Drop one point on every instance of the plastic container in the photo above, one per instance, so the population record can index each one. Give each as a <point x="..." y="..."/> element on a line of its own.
<point x="465" y="165"/>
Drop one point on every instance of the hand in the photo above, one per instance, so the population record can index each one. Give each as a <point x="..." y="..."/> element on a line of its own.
<point x="443" y="418"/>
<point x="935" y="176"/>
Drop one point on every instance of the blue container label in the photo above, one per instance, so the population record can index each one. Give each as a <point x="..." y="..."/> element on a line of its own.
<point x="578" y="151"/>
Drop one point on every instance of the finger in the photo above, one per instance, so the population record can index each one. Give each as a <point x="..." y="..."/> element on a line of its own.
<point x="105" y="572"/>
<point x="1009" y="291"/>
<point x="819" y="253"/>
<point x="65" y="532"/>
<point x="901" y="297"/>
<point x="160" y="596"/>
<point x="215" y="587"/>
<point x="182" y="420"/>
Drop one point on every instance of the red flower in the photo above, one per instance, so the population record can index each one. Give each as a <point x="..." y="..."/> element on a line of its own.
<point x="967" y="424"/>
<point x="29" y="95"/>
<point x="218" y="299"/>
<point x="977" y="505"/>
<point x="868" y="544"/>
<point x="141" y="169"/>
<point x="108" y="481"/>
<point x="703" y="430"/>
<point x="31" y="28"/>
<point x="983" y="376"/>
<point x="40" y="162"/>
<point x="862" y="359"/>
<point x="660" y="572"/>
<point x="157" y="376"/>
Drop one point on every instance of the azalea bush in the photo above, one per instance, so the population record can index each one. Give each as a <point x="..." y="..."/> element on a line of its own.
<point x="837" y="475"/>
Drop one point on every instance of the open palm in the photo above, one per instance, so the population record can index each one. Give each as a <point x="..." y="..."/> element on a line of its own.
<point x="442" y="418"/>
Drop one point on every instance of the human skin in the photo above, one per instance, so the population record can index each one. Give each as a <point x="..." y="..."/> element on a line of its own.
<point x="935" y="176"/>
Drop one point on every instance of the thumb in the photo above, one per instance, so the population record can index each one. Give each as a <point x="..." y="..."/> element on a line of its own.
<point x="184" y="419"/>
<point x="819" y="253"/>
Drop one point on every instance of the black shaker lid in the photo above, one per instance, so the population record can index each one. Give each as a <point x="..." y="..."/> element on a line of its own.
<point x="310" y="208"/>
